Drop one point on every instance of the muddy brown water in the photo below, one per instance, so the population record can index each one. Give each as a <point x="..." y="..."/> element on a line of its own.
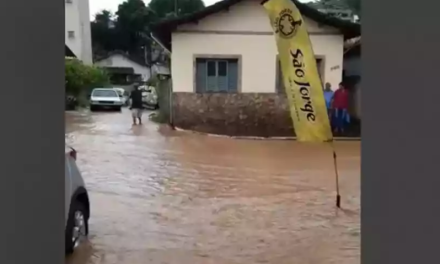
<point x="161" y="196"/>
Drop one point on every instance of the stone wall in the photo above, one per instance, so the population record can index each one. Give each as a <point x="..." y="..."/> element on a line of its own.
<point x="241" y="114"/>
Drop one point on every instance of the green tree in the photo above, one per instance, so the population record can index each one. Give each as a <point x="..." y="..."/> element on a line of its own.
<point x="129" y="29"/>
<point x="103" y="33"/>
<point x="170" y="8"/>
<point x="355" y="6"/>
<point x="333" y="4"/>
<point x="133" y="18"/>
<point x="80" y="78"/>
<point x="104" y="18"/>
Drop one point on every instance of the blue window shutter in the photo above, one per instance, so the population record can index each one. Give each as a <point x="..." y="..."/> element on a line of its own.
<point x="222" y="82"/>
<point x="216" y="75"/>
<point x="211" y="76"/>
<point x="211" y="84"/>
<point x="200" y="76"/>
<point x="232" y="76"/>
<point x="222" y="76"/>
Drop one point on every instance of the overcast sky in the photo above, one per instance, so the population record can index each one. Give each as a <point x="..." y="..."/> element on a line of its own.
<point x="112" y="5"/>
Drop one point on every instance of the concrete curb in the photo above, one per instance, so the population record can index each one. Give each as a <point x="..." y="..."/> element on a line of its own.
<point x="258" y="138"/>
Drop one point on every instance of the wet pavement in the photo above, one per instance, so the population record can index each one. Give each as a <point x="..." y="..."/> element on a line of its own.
<point x="166" y="197"/>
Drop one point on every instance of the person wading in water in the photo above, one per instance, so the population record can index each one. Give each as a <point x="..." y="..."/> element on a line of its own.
<point x="136" y="106"/>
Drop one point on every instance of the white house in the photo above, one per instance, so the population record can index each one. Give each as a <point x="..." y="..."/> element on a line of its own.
<point x="78" y="37"/>
<point x="225" y="69"/>
<point x="121" y="63"/>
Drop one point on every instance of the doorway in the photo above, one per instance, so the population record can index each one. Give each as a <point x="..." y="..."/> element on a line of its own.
<point x="320" y="63"/>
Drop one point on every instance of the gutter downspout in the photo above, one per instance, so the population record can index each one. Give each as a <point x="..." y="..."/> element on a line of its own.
<point x="160" y="43"/>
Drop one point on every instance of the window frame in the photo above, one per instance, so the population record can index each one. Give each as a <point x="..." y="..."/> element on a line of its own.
<point x="216" y="59"/>
<point x="69" y="35"/>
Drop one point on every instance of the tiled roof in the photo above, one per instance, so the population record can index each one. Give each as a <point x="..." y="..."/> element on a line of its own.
<point x="162" y="30"/>
<point x="121" y="53"/>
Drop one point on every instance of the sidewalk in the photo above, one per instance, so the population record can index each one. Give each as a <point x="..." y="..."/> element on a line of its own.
<point x="260" y="138"/>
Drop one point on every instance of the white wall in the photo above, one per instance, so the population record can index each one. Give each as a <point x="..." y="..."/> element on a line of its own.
<point x="118" y="60"/>
<point x="77" y="19"/>
<point x="253" y="41"/>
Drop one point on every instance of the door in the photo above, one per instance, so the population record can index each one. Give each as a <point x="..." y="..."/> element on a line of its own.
<point x="320" y="66"/>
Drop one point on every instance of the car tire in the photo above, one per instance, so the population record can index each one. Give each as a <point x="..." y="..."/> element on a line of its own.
<point x="118" y="108"/>
<point x="74" y="226"/>
<point x="93" y="108"/>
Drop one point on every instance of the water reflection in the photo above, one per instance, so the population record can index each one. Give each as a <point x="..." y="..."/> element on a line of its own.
<point x="161" y="196"/>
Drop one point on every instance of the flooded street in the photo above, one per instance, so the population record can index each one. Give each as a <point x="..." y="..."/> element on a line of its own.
<point x="166" y="197"/>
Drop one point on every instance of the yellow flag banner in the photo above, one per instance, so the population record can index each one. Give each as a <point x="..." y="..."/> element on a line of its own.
<point x="300" y="72"/>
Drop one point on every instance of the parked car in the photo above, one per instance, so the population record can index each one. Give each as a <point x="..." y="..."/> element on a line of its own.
<point x="105" y="98"/>
<point x="124" y="95"/>
<point x="77" y="204"/>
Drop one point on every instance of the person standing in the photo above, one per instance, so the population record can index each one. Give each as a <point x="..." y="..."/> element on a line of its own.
<point x="340" y="108"/>
<point x="136" y="106"/>
<point x="328" y="95"/>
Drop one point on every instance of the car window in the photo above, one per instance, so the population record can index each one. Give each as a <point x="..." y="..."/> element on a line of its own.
<point x="105" y="93"/>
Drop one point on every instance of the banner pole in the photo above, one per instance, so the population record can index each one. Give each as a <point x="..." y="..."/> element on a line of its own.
<point x="335" y="163"/>
<point x="301" y="76"/>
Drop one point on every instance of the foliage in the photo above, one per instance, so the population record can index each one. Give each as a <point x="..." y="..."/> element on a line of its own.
<point x="103" y="35"/>
<point x="353" y="5"/>
<point x="129" y="29"/>
<point x="167" y="8"/>
<point x="133" y="18"/>
<point x="80" y="78"/>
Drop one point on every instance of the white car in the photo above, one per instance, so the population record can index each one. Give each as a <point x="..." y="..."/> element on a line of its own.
<point x="149" y="97"/>
<point x="123" y="94"/>
<point x="105" y="98"/>
<point x="77" y="204"/>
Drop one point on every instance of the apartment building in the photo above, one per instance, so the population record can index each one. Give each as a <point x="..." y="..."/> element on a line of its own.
<point x="77" y="29"/>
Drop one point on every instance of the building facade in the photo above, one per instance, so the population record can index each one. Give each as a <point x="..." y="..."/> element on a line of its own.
<point x="225" y="70"/>
<point x="78" y="37"/>
<point x="134" y="69"/>
<point x="119" y="62"/>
